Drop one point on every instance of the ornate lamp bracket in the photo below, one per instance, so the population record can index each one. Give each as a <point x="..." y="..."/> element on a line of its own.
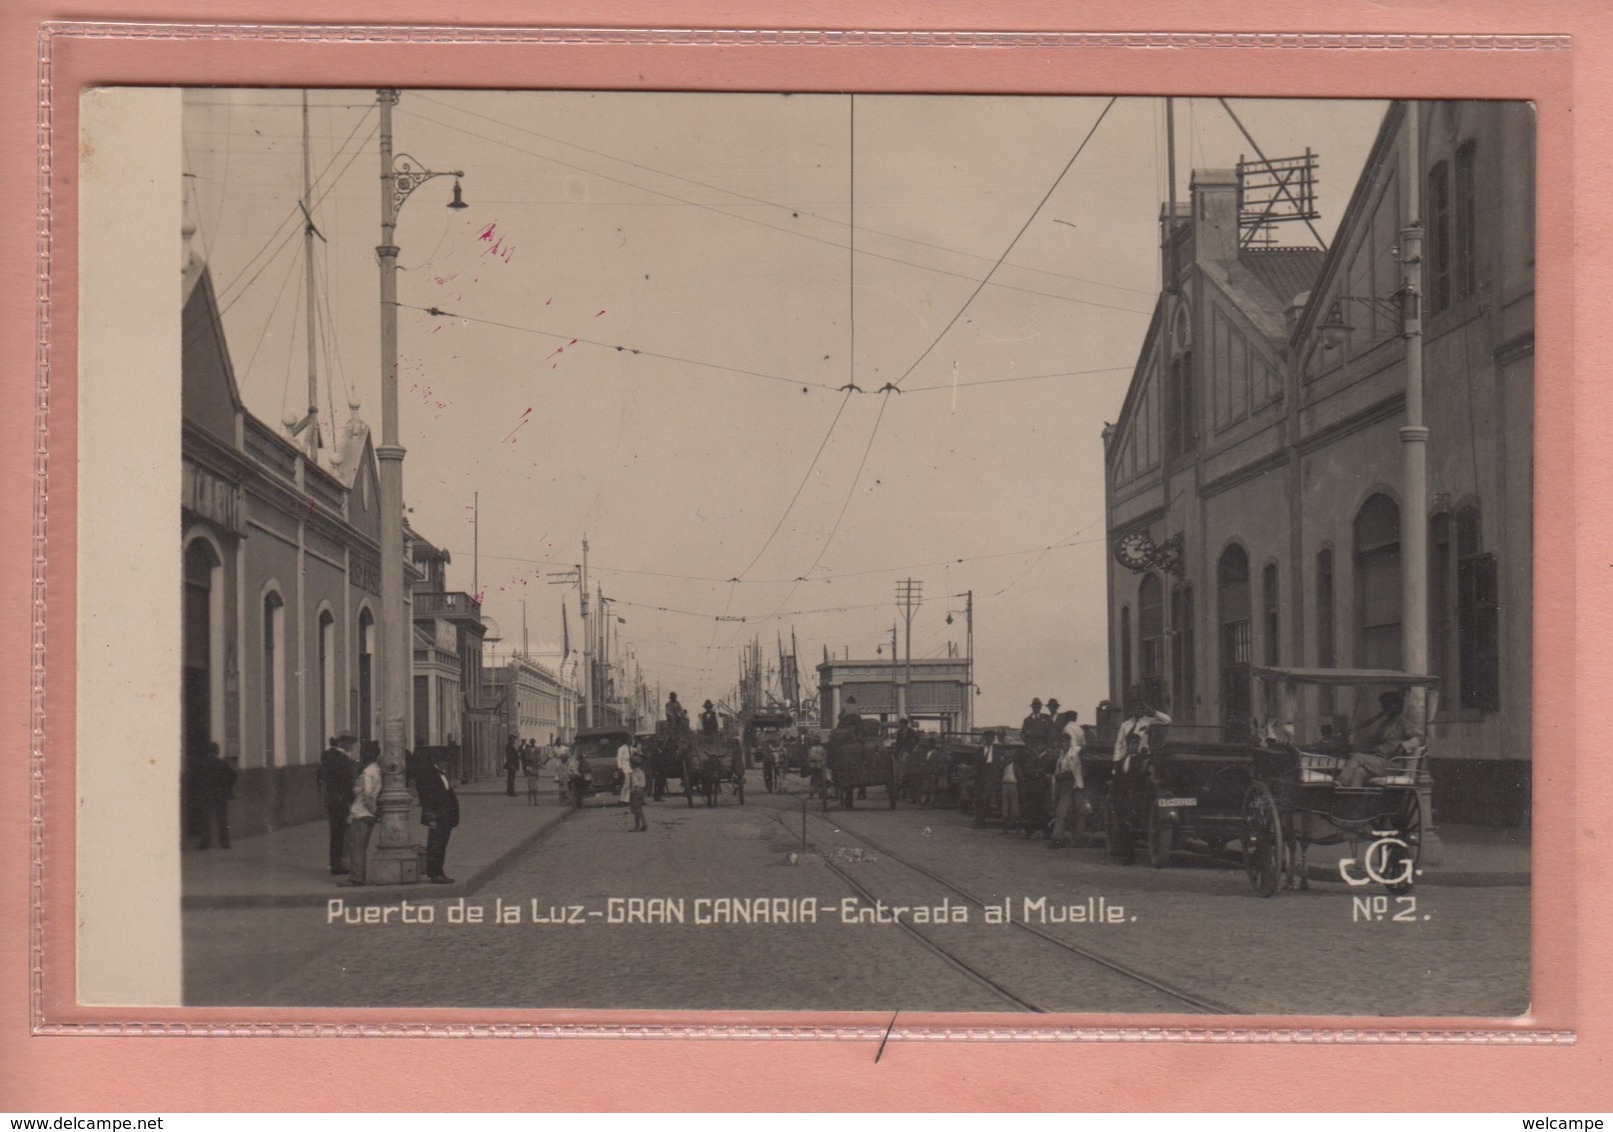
<point x="408" y="175"/>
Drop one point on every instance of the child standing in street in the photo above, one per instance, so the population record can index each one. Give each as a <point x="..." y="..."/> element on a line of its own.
<point x="635" y="791"/>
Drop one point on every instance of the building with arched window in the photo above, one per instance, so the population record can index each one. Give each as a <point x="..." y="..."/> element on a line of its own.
<point x="282" y="583"/>
<point x="1258" y="457"/>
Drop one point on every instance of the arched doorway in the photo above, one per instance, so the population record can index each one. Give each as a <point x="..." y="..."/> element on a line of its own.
<point x="203" y="599"/>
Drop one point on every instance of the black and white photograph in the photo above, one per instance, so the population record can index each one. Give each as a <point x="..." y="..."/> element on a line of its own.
<point x="950" y="554"/>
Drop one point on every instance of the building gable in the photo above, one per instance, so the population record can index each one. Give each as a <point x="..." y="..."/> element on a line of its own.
<point x="210" y="398"/>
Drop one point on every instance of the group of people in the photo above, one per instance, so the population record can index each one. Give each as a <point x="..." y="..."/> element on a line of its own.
<point x="350" y="786"/>
<point x="1037" y="783"/>
<point x="207" y="783"/>
<point x="525" y="757"/>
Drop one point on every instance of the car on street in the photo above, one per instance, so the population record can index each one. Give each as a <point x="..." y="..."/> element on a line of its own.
<point x="598" y="745"/>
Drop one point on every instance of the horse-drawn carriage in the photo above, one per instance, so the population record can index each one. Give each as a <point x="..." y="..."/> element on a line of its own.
<point x="1334" y="785"/>
<point x="859" y="758"/>
<point x="704" y="764"/>
<point x="765" y="738"/>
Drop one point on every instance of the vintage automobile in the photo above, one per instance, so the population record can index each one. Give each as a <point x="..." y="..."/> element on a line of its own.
<point x="598" y="745"/>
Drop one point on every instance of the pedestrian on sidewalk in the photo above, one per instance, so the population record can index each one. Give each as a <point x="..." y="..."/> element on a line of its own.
<point x="218" y="787"/>
<point x="338" y="768"/>
<point x="531" y="764"/>
<point x="635" y="791"/>
<point x="439" y="813"/>
<point x="361" y="818"/>
<point x="512" y="763"/>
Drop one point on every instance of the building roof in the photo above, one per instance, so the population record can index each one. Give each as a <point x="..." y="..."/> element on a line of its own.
<point x="1285" y="272"/>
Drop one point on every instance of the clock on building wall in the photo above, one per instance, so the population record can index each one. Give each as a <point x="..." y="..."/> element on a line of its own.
<point x="1135" y="551"/>
<point x="1138" y="552"/>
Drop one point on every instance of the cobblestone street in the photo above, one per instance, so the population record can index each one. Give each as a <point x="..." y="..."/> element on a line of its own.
<point x="560" y="928"/>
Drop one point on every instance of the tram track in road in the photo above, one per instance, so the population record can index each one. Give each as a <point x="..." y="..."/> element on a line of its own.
<point x="1195" y="1003"/>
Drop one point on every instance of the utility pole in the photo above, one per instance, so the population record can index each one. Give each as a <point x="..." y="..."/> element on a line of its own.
<point x="909" y="596"/>
<point x="587" y="642"/>
<point x="896" y="675"/>
<point x="1414" y="469"/>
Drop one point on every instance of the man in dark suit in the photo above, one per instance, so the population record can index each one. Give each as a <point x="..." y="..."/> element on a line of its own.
<point x="338" y="767"/>
<point x="439" y="813"/>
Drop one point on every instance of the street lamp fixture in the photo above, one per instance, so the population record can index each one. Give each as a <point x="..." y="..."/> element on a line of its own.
<point x="396" y="861"/>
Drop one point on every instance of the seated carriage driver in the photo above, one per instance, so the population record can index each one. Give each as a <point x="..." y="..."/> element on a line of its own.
<point x="1386" y="740"/>
<point x="708" y="719"/>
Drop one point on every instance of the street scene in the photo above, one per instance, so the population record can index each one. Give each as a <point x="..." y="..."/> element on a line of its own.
<point x="856" y="553"/>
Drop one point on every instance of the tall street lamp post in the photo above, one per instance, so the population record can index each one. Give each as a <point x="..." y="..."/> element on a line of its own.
<point x="396" y="862"/>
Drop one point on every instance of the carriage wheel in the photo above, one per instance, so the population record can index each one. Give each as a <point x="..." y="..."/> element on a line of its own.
<point x="1161" y="837"/>
<point x="1262" y="839"/>
<point x="1401" y="862"/>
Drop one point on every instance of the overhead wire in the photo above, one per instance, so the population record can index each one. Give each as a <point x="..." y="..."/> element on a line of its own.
<point x="1034" y="213"/>
<point x="619" y="347"/>
<point x="777" y="227"/>
<point x="793" y="209"/>
<point x="297" y="211"/>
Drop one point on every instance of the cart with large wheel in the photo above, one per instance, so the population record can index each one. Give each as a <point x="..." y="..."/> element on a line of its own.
<point x="1317" y="780"/>
<point x="711" y="762"/>
<point x="858" y="759"/>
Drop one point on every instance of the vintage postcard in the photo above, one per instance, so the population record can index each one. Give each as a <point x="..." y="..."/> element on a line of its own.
<point x="849" y="552"/>
<point x="858" y="558"/>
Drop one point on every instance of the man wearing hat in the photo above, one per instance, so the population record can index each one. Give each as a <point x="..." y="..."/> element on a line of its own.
<point x="708" y="719"/>
<point x="1031" y="726"/>
<point x="439" y="813"/>
<point x="1387" y="740"/>
<point x="338" y="767"/>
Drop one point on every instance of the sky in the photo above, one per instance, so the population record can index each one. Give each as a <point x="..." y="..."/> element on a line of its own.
<point x="649" y="316"/>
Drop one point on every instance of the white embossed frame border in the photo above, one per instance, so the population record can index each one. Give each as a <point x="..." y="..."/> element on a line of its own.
<point x="925" y="1028"/>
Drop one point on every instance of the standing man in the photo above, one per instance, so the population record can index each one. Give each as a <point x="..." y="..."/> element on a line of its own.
<point x="1134" y="735"/>
<point x="338" y="767"/>
<point x="1010" y="791"/>
<point x="562" y="772"/>
<point x="1031" y="726"/>
<point x="624" y="769"/>
<point x="439" y="813"/>
<point x="361" y="817"/>
<point x="708" y="720"/>
<point x="987" y="777"/>
<point x="218" y="787"/>
<point x="512" y="763"/>
<point x="1066" y="780"/>
<point x="635" y="789"/>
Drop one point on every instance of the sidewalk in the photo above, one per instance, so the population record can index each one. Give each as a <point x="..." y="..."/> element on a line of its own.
<point x="290" y="866"/>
